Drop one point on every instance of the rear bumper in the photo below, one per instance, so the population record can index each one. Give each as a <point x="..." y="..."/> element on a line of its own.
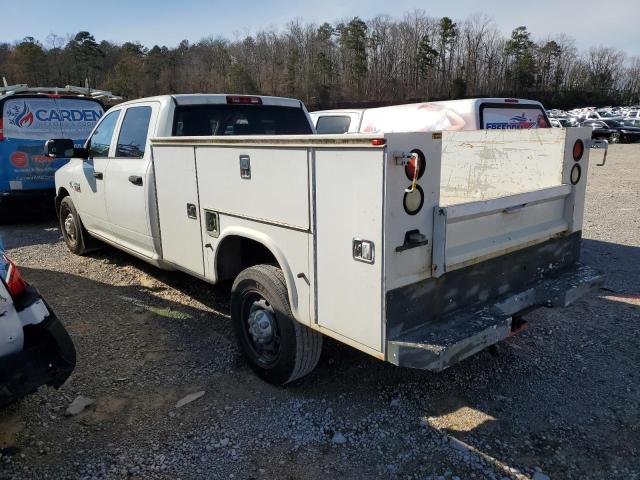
<point x="436" y="343"/>
<point x="48" y="358"/>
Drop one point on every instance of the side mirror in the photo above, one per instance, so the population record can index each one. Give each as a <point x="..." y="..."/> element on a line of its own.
<point x="63" y="148"/>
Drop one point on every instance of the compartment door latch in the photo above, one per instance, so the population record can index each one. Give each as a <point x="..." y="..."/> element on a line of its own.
<point x="363" y="251"/>
<point x="245" y="167"/>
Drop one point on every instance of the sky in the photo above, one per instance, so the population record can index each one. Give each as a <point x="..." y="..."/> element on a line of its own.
<point x="167" y="22"/>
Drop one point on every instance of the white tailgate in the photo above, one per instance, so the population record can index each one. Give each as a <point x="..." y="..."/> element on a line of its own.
<point x="471" y="232"/>
<point x="277" y="191"/>
<point x="176" y="187"/>
<point x="349" y="196"/>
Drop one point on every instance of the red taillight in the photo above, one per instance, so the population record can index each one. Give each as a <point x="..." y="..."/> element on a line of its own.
<point x="1" y="129"/>
<point x="379" y="142"/>
<point x="578" y="150"/>
<point x="511" y="100"/>
<point x="15" y="283"/>
<point x="414" y="169"/>
<point x="244" y="100"/>
<point x="54" y="95"/>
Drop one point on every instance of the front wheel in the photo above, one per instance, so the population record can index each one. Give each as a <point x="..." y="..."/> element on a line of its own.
<point x="278" y="348"/>
<point x="73" y="232"/>
<point x="614" y="138"/>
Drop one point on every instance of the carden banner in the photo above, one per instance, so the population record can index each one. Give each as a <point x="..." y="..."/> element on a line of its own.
<point x="26" y="124"/>
<point x="42" y="118"/>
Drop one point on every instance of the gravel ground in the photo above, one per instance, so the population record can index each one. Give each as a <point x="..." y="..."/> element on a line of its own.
<point x="559" y="401"/>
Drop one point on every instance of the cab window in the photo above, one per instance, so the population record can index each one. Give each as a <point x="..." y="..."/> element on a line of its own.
<point x="100" y="141"/>
<point x="333" y="124"/>
<point x="133" y="133"/>
<point x="205" y="120"/>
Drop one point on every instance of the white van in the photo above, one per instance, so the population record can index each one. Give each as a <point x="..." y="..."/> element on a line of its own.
<point x="470" y="114"/>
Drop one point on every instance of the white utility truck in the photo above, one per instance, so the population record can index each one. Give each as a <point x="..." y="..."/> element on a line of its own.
<point x="418" y="249"/>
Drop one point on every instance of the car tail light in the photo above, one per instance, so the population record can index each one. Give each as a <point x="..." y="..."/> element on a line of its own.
<point x="511" y="100"/>
<point x="244" y="100"/>
<point x="14" y="281"/>
<point x="379" y="142"/>
<point x="1" y="130"/>
<point x="578" y="150"/>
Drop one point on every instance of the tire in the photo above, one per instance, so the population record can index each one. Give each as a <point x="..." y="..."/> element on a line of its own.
<point x="278" y="348"/>
<point x="614" y="138"/>
<point x="73" y="232"/>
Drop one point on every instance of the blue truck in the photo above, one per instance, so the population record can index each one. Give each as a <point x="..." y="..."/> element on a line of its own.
<point x="29" y="117"/>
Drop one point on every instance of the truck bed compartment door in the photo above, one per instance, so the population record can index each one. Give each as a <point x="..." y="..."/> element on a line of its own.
<point x="349" y="250"/>
<point x="178" y="207"/>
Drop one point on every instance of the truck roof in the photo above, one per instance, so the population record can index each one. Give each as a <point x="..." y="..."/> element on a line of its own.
<point x="467" y="101"/>
<point x="217" y="98"/>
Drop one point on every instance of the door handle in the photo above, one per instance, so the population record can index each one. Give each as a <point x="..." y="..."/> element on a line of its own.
<point x="135" y="180"/>
<point x="98" y="175"/>
<point x="514" y="209"/>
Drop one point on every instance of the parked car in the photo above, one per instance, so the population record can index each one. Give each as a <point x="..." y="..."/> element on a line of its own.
<point x="613" y="130"/>
<point x="35" y="348"/>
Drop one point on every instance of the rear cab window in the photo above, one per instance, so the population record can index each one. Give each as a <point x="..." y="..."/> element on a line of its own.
<point x="225" y="119"/>
<point x="333" y="124"/>
<point x="512" y="116"/>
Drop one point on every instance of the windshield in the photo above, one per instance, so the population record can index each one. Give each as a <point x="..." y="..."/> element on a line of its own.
<point x="612" y="123"/>
<point x="513" y="117"/>
<point x="207" y="120"/>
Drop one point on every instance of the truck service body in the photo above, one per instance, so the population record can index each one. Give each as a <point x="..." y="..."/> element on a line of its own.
<point x="417" y="249"/>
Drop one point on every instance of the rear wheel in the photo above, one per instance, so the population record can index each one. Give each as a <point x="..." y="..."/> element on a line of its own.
<point x="278" y="348"/>
<point x="73" y="232"/>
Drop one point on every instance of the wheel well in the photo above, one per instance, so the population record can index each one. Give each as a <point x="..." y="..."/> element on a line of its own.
<point x="62" y="192"/>
<point x="235" y="253"/>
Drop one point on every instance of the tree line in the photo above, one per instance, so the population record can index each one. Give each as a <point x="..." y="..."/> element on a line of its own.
<point x="351" y="63"/>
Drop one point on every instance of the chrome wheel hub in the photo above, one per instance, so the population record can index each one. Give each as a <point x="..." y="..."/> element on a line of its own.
<point x="261" y="326"/>
<point x="69" y="226"/>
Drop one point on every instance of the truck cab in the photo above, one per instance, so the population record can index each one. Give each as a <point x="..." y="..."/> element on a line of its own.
<point x="112" y="185"/>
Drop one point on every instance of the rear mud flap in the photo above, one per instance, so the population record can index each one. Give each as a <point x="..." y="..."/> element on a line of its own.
<point x="437" y="346"/>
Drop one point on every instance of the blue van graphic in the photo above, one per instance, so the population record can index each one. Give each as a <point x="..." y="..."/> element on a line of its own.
<point x="27" y="121"/>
